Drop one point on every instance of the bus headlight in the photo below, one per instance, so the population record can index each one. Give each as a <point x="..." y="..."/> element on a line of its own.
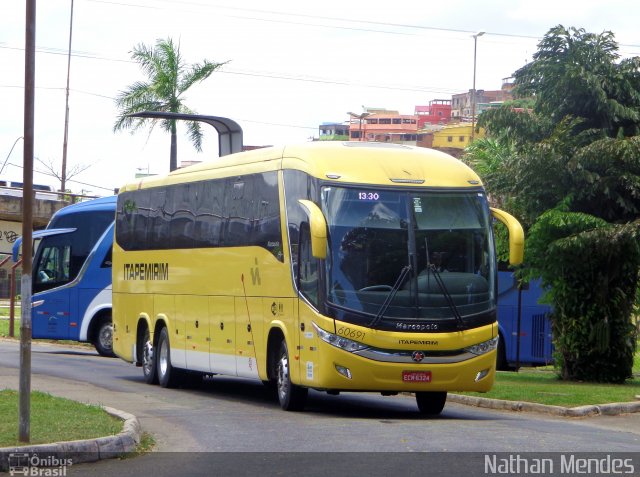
<point x="484" y="347"/>
<point x="338" y="341"/>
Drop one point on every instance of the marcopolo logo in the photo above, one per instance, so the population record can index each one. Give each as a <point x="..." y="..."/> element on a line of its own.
<point x="24" y="463"/>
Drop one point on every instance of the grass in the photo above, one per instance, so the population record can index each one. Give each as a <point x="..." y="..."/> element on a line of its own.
<point x="544" y="387"/>
<point x="54" y="419"/>
<point x="4" y="327"/>
<point x="4" y="318"/>
<point x="147" y="443"/>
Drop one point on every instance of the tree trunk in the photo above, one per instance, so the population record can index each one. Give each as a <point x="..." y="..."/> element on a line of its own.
<point x="173" y="158"/>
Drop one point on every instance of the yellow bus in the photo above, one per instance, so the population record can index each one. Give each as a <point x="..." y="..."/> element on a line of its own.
<point x="335" y="266"/>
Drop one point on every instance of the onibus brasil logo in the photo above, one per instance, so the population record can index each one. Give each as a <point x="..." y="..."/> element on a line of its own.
<point x="31" y="464"/>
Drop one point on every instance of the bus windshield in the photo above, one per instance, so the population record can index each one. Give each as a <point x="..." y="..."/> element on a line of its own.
<point x="59" y="258"/>
<point x="399" y="258"/>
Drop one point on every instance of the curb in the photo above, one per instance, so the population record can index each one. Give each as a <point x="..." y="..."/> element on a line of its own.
<point x="89" y="450"/>
<point x="610" y="409"/>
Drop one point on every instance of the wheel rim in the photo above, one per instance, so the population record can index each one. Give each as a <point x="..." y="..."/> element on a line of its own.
<point x="106" y="337"/>
<point x="147" y="357"/>
<point x="163" y="358"/>
<point x="283" y="377"/>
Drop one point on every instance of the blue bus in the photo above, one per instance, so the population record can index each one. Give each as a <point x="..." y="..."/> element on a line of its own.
<point x="524" y="326"/>
<point x="72" y="275"/>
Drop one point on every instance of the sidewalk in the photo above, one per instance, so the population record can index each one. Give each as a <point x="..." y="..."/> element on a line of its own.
<point x="135" y="405"/>
<point x="88" y="450"/>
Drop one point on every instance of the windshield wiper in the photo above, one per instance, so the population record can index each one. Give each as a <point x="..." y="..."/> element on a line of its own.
<point x="443" y="288"/>
<point x="396" y="286"/>
<point x="447" y="296"/>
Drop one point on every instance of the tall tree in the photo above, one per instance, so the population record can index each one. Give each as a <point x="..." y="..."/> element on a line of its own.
<point x="573" y="175"/>
<point x="168" y="78"/>
<point x="577" y="73"/>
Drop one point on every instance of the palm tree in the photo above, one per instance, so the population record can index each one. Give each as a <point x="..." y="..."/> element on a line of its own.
<point x="167" y="80"/>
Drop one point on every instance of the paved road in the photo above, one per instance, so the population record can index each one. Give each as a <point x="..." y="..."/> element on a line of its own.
<point x="232" y="415"/>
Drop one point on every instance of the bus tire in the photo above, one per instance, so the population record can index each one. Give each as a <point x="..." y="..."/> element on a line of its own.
<point x="431" y="403"/>
<point x="167" y="374"/>
<point x="290" y="396"/>
<point x="148" y="358"/>
<point x="103" y="340"/>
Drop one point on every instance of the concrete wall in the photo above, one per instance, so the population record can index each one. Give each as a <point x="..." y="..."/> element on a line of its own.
<point x="11" y="209"/>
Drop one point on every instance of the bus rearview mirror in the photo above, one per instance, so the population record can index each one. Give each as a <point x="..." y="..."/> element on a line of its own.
<point x="317" y="227"/>
<point x="516" y="235"/>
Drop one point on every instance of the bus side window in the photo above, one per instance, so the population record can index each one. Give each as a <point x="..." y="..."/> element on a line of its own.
<point x="307" y="266"/>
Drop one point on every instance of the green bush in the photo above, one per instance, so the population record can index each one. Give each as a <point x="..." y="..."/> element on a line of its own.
<point x="591" y="270"/>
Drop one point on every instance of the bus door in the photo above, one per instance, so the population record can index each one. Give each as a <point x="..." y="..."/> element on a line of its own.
<point x="309" y="356"/>
<point x="51" y="299"/>
<point x="94" y="288"/>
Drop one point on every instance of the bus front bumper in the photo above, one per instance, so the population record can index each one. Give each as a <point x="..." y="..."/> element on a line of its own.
<point x="339" y="370"/>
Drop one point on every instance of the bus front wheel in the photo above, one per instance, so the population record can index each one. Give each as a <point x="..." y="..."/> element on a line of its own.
<point x="431" y="403"/>
<point x="290" y="396"/>
<point x="104" y="337"/>
<point x="167" y="374"/>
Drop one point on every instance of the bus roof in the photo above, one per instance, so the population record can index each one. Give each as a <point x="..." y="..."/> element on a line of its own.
<point x="347" y="162"/>
<point x="103" y="203"/>
<point x="93" y="205"/>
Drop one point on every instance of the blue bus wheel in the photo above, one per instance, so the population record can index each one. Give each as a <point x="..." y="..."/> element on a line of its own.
<point x="104" y="337"/>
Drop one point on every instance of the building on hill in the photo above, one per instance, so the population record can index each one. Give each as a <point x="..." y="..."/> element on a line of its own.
<point x="453" y="138"/>
<point x="382" y="125"/>
<point x="438" y="112"/>
<point x="462" y="104"/>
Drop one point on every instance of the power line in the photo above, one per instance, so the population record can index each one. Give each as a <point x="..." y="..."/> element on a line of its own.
<point x="45" y="173"/>
<point x="339" y="82"/>
<point x="321" y="17"/>
<point x="288" y="77"/>
<point x="282" y="76"/>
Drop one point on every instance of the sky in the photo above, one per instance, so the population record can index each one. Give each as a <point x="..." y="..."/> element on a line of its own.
<point x="290" y="66"/>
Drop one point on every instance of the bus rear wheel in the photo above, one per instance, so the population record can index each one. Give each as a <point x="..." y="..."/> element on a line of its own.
<point x="290" y="396"/>
<point x="431" y="403"/>
<point x="148" y="358"/>
<point x="104" y="337"/>
<point x="167" y="374"/>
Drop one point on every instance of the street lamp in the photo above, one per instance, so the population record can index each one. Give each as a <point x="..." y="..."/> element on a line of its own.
<point x="473" y="93"/>
<point x="8" y="155"/>
<point x="360" y="117"/>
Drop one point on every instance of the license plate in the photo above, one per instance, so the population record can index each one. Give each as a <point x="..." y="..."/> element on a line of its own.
<point x="416" y="376"/>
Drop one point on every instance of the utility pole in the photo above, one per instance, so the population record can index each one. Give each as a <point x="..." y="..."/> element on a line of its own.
<point x="24" y="429"/>
<point x="63" y="180"/>
<point x="473" y="94"/>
